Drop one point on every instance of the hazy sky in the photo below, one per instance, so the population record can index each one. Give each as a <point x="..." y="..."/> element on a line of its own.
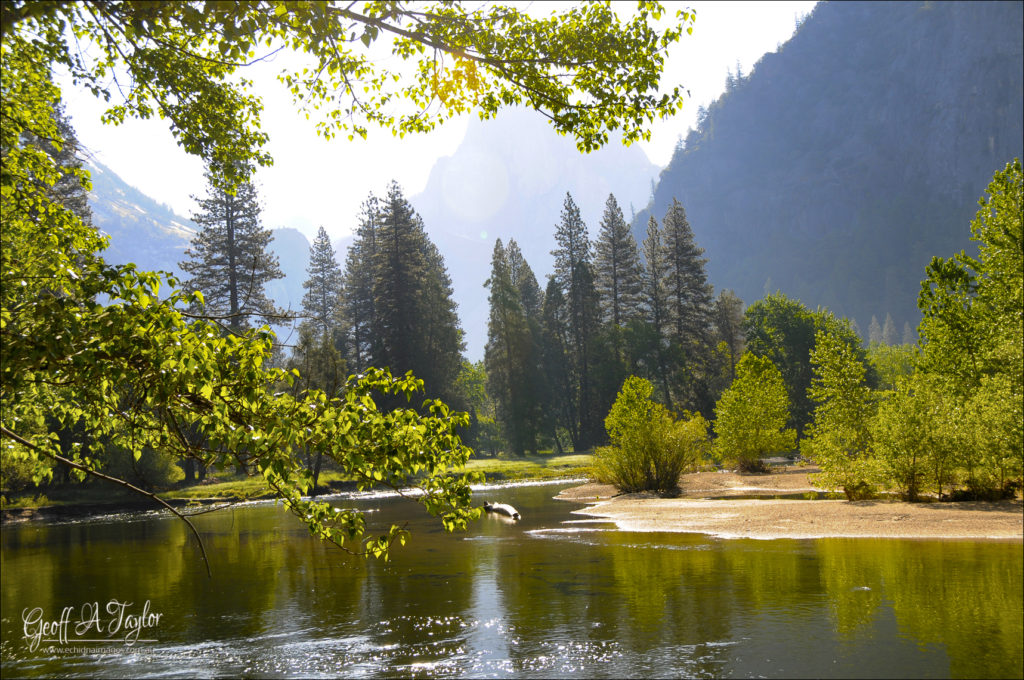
<point x="315" y="182"/>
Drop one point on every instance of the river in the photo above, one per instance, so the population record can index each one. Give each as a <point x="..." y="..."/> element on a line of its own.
<point x="554" y="595"/>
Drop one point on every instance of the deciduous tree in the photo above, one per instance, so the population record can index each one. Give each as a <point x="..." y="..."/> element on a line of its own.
<point x="839" y="439"/>
<point x="751" y="416"/>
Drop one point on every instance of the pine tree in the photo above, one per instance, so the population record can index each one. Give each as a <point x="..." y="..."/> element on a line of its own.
<point x="909" y="337"/>
<point x="574" y="275"/>
<point x="440" y="344"/>
<point x="617" y="267"/>
<point x="229" y="258"/>
<point x="69" y="189"/>
<point x="689" y="298"/>
<point x="656" y="303"/>
<point x="874" y="331"/>
<point x="415" y="325"/>
<point x="889" y="331"/>
<point x="729" y="328"/>
<point x="320" y="304"/>
<point x="525" y="282"/>
<point x="358" y="308"/>
<point x="511" y="356"/>
<point x="562" y="404"/>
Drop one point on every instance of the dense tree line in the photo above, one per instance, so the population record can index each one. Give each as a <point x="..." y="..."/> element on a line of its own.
<point x="940" y="417"/>
<point x="556" y="361"/>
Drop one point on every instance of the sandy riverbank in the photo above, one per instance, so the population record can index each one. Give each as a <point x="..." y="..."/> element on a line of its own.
<point x="708" y="505"/>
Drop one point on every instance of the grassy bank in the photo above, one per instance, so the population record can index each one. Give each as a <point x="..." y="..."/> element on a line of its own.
<point x="232" y="487"/>
<point x="536" y="467"/>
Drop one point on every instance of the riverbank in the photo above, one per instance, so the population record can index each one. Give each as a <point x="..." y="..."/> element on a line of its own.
<point x="734" y="505"/>
<point x="98" y="499"/>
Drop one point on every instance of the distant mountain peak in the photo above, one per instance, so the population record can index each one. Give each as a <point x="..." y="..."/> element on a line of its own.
<point x="508" y="179"/>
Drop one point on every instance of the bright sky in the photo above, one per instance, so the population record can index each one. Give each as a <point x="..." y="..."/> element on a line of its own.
<point x="315" y="182"/>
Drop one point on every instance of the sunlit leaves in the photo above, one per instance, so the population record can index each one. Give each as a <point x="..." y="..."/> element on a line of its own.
<point x="751" y="416"/>
<point x="136" y="372"/>
<point x="590" y="72"/>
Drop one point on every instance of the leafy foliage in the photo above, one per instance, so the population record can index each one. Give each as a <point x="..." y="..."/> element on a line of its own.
<point x="649" y="448"/>
<point x="972" y="334"/>
<point x="891" y="362"/>
<point x="589" y="72"/>
<point x="784" y="330"/>
<point x="839" y="439"/>
<point x="918" y="437"/>
<point x="135" y="373"/>
<point x="751" y="416"/>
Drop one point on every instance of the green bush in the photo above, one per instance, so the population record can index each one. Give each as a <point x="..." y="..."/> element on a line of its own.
<point x="650" y="449"/>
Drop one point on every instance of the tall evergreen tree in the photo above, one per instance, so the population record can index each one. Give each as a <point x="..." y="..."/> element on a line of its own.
<point x="320" y="304"/>
<point x="874" y="331"/>
<point x="617" y="268"/>
<point x="440" y="344"/>
<point x="656" y="303"/>
<point x="562" y="396"/>
<point x="358" y="308"/>
<point x="889" y="330"/>
<point x="68" y="190"/>
<point x="689" y="297"/>
<point x="909" y="337"/>
<point x="574" y="275"/>
<point x="317" y="357"/>
<point x="729" y="328"/>
<point x="511" y="354"/>
<point x="525" y="281"/>
<point x="229" y="258"/>
<point x="415" y="323"/>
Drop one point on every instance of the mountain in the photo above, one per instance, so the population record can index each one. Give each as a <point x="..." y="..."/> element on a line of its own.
<point x="149" y="234"/>
<point x="847" y="159"/>
<point x="141" y="230"/>
<point x="508" y="179"/>
<point x="292" y="249"/>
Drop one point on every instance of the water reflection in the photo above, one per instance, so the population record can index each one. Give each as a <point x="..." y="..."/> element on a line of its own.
<point x="542" y="597"/>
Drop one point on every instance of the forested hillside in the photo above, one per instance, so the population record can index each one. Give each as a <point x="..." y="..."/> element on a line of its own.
<point x="845" y="161"/>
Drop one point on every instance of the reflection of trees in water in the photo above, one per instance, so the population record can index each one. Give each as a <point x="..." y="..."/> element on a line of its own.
<point x="963" y="595"/>
<point x="616" y="600"/>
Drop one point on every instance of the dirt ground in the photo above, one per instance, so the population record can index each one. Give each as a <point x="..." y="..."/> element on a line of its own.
<point x="708" y="505"/>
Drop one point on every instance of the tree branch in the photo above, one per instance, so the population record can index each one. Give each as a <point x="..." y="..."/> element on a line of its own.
<point x="78" y="466"/>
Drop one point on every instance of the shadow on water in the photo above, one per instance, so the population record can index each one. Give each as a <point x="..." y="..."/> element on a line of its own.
<point x="547" y="596"/>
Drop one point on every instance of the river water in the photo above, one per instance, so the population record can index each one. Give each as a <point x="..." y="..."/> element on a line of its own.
<point x="550" y="596"/>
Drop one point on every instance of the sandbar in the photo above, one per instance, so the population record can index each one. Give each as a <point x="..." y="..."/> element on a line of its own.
<point x="733" y="505"/>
